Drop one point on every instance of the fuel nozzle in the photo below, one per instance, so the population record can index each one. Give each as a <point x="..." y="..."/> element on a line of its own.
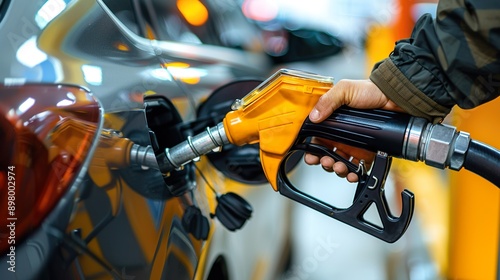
<point x="271" y="115"/>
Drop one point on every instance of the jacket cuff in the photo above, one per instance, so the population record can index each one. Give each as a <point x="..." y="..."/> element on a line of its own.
<point x="394" y="84"/>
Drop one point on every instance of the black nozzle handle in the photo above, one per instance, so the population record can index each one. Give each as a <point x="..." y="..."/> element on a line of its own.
<point x="373" y="130"/>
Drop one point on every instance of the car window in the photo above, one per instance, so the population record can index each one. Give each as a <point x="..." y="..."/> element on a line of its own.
<point x="3" y="8"/>
<point x="201" y="22"/>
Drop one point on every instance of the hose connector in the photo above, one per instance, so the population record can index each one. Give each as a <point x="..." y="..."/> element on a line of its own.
<point x="460" y="148"/>
<point x="444" y="147"/>
<point x="438" y="145"/>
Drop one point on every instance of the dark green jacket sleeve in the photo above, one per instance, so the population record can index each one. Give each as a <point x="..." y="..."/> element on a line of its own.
<point x="453" y="59"/>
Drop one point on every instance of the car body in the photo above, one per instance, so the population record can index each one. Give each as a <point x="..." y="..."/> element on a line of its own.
<point x="76" y="76"/>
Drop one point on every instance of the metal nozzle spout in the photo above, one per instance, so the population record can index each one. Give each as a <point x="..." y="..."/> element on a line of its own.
<point x="143" y="156"/>
<point x="212" y="139"/>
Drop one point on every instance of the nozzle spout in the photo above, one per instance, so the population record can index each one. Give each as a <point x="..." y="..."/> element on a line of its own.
<point x="143" y="156"/>
<point x="212" y="139"/>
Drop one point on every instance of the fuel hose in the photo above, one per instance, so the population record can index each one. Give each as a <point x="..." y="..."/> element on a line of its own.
<point x="484" y="161"/>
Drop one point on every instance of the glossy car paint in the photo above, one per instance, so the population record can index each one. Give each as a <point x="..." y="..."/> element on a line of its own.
<point x="105" y="226"/>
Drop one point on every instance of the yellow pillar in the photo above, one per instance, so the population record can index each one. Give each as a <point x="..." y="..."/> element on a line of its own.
<point x="475" y="204"/>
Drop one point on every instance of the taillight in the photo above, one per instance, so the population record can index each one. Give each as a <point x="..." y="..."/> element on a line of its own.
<point x="46" y="133"/>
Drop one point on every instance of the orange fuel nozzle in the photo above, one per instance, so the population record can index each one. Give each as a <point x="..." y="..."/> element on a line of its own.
<point x="273" y="114"/>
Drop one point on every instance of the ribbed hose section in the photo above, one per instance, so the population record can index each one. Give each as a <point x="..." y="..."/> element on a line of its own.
<point x="484" y="161"/>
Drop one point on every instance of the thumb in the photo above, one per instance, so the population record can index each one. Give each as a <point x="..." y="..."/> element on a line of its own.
<point x="337" y="96"/>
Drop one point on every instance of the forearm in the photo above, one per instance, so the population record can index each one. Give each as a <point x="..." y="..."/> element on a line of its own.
<point x="446" y="62"/>
<point x="398" y="88"/>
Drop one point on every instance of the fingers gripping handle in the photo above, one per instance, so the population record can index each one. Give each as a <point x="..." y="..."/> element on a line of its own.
<point x="370" y="191"/>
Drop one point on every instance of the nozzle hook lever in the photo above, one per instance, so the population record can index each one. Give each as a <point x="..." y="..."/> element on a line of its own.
<point x="370" y="190"/>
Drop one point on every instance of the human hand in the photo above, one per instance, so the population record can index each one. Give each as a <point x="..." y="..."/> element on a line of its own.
<point x="360" y="94"/>
<point x="343" y="150"/>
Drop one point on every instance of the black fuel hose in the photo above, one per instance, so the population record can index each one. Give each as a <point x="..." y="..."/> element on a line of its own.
<point x="484" y="161"/>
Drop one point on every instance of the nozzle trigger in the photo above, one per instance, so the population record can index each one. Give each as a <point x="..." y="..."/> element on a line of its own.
<point x="370" y="190"/>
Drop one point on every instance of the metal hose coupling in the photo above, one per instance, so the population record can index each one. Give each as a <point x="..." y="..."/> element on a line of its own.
<point x="212" y="139"/>
<point x="438" y="145"/>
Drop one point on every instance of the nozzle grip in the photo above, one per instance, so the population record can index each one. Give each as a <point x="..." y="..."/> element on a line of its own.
<point x="373" y="130"/>
<point x="383" y="132"/>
